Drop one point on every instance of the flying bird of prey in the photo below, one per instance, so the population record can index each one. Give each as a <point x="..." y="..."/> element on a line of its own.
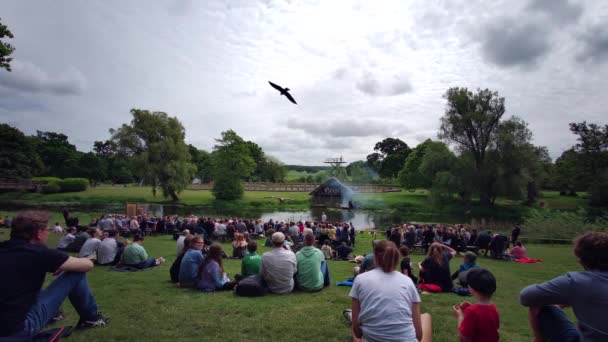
<point x="284" y="91"/>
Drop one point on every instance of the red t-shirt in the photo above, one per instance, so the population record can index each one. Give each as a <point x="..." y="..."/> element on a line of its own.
<point x="480" y="323"/>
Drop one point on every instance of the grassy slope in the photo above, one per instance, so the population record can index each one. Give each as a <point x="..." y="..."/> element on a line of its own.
<point x="145" y="306"/>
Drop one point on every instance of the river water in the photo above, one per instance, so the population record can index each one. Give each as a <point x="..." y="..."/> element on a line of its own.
<point x="361" y="219"/>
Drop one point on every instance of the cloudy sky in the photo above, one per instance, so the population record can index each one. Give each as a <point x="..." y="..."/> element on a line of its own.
<point x="360" y="70"/>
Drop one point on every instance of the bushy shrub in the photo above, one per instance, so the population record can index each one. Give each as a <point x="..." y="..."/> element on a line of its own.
<point x="227" y="188"/>
<point x="47" y="179"/>
<point x="556" y="224"/>
<point x="73" y="184"/>
<point x="51" y="188"/>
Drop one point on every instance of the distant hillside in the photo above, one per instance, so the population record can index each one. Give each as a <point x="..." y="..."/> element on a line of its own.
<point x="308" y="169"/>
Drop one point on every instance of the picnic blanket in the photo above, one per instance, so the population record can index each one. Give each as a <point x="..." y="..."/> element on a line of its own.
<point x="527" y="260"/>
<point x="347" y="282"/>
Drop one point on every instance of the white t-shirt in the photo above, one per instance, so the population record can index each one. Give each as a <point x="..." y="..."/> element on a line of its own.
<point x="386" y="301"/>
<point x="89" y="249"/>
<point x="180" y="243"/>
<point x="220" y="229"/>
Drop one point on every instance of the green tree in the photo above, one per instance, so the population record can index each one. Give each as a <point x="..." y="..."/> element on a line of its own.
<point x="232" y="161"/>
<point x="360" y="173"/>
<point x="156" y="143"/>
<point x="60" y="158"/>
<point x="6" y="49"/>
<point x="18" y="155"/>
<point x="410" y="176"/>
<point x="202" y="160"/>
<point x="471" y="122"/>
<point x="389" y="157"/>
<point x="92" y="167"/>
<point x="271" y="170"/>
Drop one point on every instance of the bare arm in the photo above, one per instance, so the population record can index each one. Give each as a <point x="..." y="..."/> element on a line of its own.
<point x="417" y="320"/>
<point x="356" y="307"/>
<point x="76" y="265"/>
<point x="450" y="250"/>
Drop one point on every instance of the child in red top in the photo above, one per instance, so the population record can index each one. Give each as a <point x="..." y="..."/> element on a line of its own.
<point x="478" y="322"/>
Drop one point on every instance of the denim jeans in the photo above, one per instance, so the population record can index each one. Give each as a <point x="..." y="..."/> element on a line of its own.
<point x="325" y="270"/>
<point x="555" y="326"/>
<point x="72" y="285"/>
<point x="145" y="264"/>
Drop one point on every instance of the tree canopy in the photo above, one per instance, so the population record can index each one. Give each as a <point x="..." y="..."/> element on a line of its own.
<point x="232" y="161"/>
<point x="156" y="143"/>
<point x="6" y="49"/>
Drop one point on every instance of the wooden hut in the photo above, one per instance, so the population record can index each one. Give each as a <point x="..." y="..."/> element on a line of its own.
<point x="332" y="193"/>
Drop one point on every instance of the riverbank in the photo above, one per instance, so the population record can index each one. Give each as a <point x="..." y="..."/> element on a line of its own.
<point x="411" y="205"/>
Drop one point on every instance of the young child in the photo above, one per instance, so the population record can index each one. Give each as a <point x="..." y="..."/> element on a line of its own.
<point x="469" y="262"/>
<point x="326" y="249"/>
<point x="406" y="264"/>
<point x="478" y="322"/>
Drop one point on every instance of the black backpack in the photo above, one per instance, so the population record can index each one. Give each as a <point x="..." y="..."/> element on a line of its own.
<point x="252" y="286"/>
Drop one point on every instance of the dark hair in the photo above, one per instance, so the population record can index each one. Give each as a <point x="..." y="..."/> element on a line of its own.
<point x="592" y="250"/>
<point x="404" y="251"/>
<point x="215" y="253"/>
<point x="27" y="223"/>
<point x="386" y="255"/>
<point x="518" y="243"/>
<point x="482" y="281"/>
<point x="187" y="242"/>
<point x="309" y="239"/>
<point x="112" y="233"/>
<point x="138" y="237"/>
<point x="252" y="246"/>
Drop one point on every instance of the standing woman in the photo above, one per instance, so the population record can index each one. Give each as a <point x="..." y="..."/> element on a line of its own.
<point x="211" y="274"/>
<point x="385" y="302"/>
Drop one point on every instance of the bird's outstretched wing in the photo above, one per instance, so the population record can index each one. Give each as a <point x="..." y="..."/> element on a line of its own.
<point x="288" y="95"/>
<point x="277" y="87"/>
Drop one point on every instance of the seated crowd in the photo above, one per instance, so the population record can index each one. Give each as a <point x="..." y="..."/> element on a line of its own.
<point x="297" y="260"/>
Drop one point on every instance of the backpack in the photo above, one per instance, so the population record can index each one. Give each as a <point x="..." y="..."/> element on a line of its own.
<point x="252" y="286"/>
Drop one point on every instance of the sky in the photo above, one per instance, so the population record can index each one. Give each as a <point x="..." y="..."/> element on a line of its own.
<point x="360" y="71"/>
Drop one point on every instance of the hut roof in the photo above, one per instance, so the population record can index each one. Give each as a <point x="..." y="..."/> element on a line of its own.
<point x="331" y="187"/>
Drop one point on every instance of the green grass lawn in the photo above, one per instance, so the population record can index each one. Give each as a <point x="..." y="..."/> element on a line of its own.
<point x="105" y="194"/>
<point x="144" y="306"/>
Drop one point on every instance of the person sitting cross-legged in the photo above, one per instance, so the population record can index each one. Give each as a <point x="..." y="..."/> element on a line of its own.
<point x="312" y="268"/>
<point x="110" y="250"/>
<point x="585" y="291"/>
<point x="211" y="275"/>
<point x="135" y="255"/>
<point x="252" y="261"/>
<point x="385" y="302"/>
<point x="25" y="308"/>
<point x="191" y="262"/>
<point x="90" y="247"/>
<point x="279" y="266"/>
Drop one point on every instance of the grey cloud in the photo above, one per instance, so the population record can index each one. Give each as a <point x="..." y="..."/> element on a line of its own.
<point x="340" y="74"/>
<point x="594" y="45"/>
<point x="345" y="127"/>
<point x="509" y="42"/>
<point x="560" y="11"/>
<point x="180" y="7"/>
<point x="28" y="77"/>
<point x="369" y="85"/>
